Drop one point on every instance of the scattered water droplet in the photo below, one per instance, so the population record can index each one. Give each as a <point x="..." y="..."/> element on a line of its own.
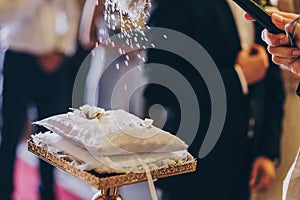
<point x="126" y="62"/>
<point x="120" y="51"/>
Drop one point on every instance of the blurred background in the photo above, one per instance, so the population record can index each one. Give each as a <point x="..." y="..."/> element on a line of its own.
<point x="26" y="173"/>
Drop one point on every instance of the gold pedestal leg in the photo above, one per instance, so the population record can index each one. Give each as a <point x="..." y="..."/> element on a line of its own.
<point x="107" y="194"/>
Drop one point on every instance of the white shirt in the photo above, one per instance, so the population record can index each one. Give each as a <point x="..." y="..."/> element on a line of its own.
<point x="245" y="28"/>
<point x="40" y="26"/>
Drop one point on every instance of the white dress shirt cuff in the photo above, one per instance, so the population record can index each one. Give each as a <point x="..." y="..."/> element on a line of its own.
<point x="242" y="78"/>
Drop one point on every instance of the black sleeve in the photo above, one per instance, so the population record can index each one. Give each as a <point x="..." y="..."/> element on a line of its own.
<point x="270" y="141"/>
<point x="270" y="92"/>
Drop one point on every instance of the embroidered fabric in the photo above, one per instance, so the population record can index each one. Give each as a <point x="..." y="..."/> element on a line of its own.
<point x="84" y="160"/>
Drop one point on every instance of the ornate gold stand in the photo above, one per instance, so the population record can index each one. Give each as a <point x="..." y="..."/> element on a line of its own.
<point x="107" y="184"/>
<point x="107" y="194"/>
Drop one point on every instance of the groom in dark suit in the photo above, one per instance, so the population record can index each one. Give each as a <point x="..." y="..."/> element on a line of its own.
<point x="244" y="156"/>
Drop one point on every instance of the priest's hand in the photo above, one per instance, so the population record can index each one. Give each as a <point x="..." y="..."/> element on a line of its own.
<point x="286" y="57"/>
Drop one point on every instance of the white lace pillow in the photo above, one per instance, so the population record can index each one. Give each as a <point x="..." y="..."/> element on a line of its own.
<point x="112" y="132"/>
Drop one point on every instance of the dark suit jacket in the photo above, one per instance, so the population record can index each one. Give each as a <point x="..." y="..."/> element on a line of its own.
<point x="224" y="173"/>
